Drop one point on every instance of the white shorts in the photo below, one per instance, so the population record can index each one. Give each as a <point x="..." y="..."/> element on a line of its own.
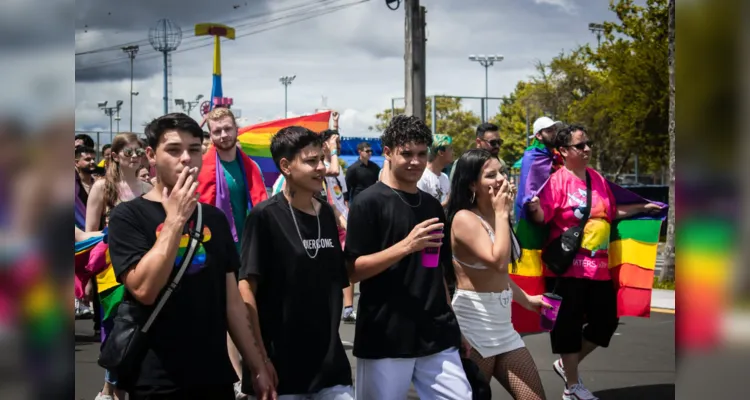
<point x="437" y="377"/>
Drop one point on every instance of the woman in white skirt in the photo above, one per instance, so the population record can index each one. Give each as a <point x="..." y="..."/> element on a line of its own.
<point x="483" y="246"/>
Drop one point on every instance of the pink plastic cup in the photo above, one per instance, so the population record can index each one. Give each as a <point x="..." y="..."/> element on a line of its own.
<point x="549" y="315"/>
<point x="431" y="255"/>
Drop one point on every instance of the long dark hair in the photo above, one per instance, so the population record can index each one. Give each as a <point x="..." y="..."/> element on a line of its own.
<point x="468" y="170"/>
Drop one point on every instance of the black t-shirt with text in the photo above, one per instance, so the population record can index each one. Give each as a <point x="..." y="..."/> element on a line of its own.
<point x="299" y="299"/>
<point x="403" y="311"/>
<point x="187" y="344"/>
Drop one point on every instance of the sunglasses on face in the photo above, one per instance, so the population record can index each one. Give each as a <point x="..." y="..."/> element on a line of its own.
<point x="494" y="142"/>
<point x="368" y="151"/>
<point x="129" y="152"/>
<point x="582" y="146"/>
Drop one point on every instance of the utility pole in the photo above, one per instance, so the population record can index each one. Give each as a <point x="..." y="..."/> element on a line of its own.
<point x="415" y="58"/>
<point x="131" y="52"/>
<point x="286" y="81"/>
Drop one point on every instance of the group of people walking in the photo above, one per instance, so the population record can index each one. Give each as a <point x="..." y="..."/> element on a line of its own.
<point x="262" y="295"/>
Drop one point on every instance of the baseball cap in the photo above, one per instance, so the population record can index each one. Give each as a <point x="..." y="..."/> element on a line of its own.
<point x="544" y="123"/>
<point x="440" y="140"/>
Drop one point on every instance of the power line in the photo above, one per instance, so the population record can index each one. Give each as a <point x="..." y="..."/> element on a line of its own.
<point x="205" y="41"/>
<point x="209" y="42"/>
<point x="226" y="22"/>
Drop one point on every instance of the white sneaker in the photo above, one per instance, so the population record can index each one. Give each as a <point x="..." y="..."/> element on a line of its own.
<point x="578" y="392"/>
<point x="559" y="369"/>
<point x="101" y="396"/>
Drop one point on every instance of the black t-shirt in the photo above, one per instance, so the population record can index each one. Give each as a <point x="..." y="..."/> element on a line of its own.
<point x="360" y="176"/>
<point x="188" y="340"/>
<point x="299" y="299"/>
<point x="403" y="311"/>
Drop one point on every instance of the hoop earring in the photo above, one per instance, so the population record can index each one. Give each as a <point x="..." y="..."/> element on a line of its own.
<point x="473" y="196"/>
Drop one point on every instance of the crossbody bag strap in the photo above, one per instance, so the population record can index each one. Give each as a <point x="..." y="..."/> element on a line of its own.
<point x="194" y="239"/>
<point x="587" y="210"/>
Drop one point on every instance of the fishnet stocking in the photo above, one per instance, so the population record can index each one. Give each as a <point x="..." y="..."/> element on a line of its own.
<point x="515" y="370"/>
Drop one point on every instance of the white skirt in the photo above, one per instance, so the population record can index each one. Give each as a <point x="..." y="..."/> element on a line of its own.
<point x="484" y="319"/>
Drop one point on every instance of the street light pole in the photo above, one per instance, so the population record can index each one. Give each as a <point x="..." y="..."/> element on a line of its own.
<point x="111" y="112"/>
<point x="131" y="51"/>
<point x="597" y="29"/>
<point x="486" y="62"/>
<point x="286" y="81"/>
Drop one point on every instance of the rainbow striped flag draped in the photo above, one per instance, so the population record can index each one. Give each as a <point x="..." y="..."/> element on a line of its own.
<point x="83" y="250"/>
<point x="255" y="140"/>
<point x="632" y="249"/>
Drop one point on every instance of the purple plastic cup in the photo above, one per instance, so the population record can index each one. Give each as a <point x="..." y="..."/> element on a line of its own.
<point x="431" y="255"/>
<point x="549" y="315"/>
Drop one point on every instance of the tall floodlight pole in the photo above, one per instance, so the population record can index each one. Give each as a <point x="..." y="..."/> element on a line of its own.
<point x="597" y="29"/>
<point x="110" y="112"/>
<point x="286" y="81"/>
<point x="486" y="62"/>
<point x="131" y="52"/>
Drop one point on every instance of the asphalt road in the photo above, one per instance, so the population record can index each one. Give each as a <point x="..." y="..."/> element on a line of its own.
<point x="639" y="364"/>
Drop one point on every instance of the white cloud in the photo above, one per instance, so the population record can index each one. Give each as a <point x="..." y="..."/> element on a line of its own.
<point x="568" y="6"/>
<point x="353" y="57"/>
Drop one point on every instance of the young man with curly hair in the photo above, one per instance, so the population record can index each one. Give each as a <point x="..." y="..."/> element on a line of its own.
<point x="406" y="331"/>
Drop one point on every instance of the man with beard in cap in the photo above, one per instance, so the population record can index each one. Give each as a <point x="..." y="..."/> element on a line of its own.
<point x="232" y="182"/>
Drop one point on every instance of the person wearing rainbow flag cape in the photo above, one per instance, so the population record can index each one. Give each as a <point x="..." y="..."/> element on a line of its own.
<point x="539" y="161"/>
<point x="231" y="181"/>
<point x="612" y="272"/>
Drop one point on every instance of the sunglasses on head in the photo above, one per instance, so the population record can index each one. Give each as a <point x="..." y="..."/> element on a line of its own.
<point x="128" y="152"/>
<point x="582" y="146"/>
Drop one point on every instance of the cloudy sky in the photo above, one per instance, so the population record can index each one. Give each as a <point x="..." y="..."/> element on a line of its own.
<point x="348" y="51"/>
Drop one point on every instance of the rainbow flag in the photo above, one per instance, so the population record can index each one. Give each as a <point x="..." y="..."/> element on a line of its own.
<point x="707" y="251"/>
<point x="255" y="140"/>
<point x="633" y="247"/>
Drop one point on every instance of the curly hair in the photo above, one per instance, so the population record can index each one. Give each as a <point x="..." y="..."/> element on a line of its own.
<point x="406" y="129"/>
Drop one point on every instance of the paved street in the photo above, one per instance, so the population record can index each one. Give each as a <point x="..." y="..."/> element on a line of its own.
<point x="640" y="363"/>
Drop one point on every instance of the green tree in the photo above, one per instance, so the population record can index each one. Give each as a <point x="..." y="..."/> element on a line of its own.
<point x="450" y="120"/>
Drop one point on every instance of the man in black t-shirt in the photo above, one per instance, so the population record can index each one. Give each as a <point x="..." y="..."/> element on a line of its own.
<point x="406" y="331"/>
<point x="187" y="355"/>
<point x="293" y="272"/>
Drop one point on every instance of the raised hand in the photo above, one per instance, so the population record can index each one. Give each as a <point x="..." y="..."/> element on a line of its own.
<point x="502" y="198"/>
<point x="182" y="200"/>
<point x="420" y="237"/>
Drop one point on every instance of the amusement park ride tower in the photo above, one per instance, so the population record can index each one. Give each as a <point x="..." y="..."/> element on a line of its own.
<point x="217" y="95"/>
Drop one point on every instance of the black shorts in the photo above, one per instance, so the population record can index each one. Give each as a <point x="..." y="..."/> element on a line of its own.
<point x="584" y="301"/>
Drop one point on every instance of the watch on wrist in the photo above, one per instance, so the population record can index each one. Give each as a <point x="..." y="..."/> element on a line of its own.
<point x="334" y="152"/>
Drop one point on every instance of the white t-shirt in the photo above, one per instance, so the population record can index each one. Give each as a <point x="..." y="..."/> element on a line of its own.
<point x="439" y="186"/>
